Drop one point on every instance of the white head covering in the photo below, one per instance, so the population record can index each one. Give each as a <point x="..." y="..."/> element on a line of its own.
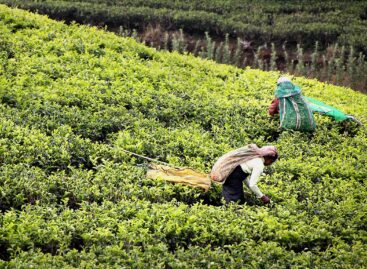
<point x="283" y="79"/>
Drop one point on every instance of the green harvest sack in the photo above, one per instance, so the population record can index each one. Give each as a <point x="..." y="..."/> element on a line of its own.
<point x="295" y="113"/>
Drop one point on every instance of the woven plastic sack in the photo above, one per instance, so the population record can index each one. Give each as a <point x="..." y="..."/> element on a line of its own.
<point x="294" y="111"/>
<point x="185" y="176"/>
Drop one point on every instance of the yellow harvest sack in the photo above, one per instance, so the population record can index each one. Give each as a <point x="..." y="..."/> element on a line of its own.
<point x="185" y="176"/>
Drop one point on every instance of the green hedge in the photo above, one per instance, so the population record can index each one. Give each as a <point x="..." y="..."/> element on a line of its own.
<point x="260" y="21"/>
<point x="72" y="97"/>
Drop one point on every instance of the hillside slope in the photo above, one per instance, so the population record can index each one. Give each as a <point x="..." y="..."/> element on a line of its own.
<point x="72" y="97"/>
<point x="261" y="21"/>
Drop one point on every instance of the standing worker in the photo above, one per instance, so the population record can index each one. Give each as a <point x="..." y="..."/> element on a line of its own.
<point x="294" y="111"/>
<point x="246" y="163"/>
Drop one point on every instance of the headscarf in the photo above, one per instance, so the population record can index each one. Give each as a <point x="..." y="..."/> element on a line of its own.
<point x="225" y="165"/>
<point x="267" y="151"/>
<point x="283" y="79"/>
<point x="286" y="89"/>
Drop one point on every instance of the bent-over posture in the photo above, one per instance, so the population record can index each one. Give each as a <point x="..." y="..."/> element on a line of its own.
<point x="243" y="164"/>
<point x="295" y="113"/>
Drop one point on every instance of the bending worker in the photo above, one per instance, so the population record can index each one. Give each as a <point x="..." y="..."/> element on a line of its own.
<point x="243" y="164"/>
<point x="294" y="111"/>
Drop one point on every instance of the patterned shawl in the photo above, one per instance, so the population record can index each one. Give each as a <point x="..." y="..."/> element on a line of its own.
<point x="225" y="165"/>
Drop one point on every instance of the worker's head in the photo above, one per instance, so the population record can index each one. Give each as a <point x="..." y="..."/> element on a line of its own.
<point x="283" y="79"/>
<point x="270" y="159"/>
<point x="269" y="153"/>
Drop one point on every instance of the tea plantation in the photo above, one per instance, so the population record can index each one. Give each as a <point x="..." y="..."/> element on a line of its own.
<point x="72" y="97"/>
<point x="261" y="21"/>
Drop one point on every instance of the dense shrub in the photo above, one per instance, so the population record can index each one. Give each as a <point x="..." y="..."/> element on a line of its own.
<point x="261" y="21"/>
<point x="73" y="97"/>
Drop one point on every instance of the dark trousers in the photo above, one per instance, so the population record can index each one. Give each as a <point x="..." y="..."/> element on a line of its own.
<point x="232" y="190"/>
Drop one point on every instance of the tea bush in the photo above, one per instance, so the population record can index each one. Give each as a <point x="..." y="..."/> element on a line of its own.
<point x="260" y="21"/>
<point x="73" y="97"/>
